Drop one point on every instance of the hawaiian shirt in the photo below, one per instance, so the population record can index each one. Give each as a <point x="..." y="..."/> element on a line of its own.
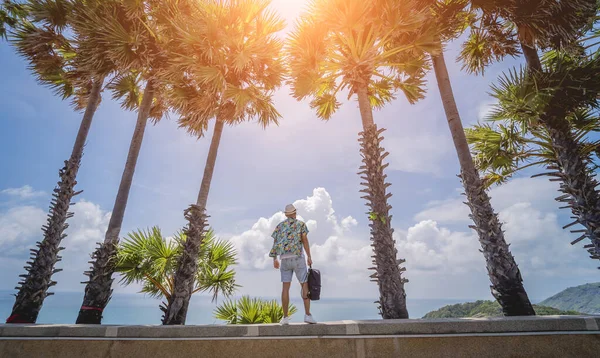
<point x="287" y="238"/>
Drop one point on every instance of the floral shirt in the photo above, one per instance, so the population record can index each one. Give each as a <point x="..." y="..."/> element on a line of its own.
<point x="287" y="238"/>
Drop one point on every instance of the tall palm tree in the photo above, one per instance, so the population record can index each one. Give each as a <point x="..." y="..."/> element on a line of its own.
<point x="55" y="60"/>
<point x="126" y="33"/>
<point x="146" y="257"/>
<point x="450" y="19"/>
<point x="515" y="26"/>
<point x="224" y="72"/>
<point x="362" y="47"/>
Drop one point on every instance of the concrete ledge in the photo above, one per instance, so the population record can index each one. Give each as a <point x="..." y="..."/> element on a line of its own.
<point x="548" y="336"/>
<point x="342" y="328"/>
<point x="525" y="345"/>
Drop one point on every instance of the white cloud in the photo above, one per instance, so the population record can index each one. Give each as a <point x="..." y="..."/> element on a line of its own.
<point x="427" y="247"/>
<point x="18" y="224"/>
<point x="526" y="224"/>
<point x="87" y="227"/>
<point x="20" y="228"/>
<point x="537" y="191"/>
<point x="341" y="250"/>
<point x="441" y="262"/>
<point x="532" y="227"/>
<point x="337" y="252"/>
<point x="540" y="245"/>
<point x="317" y="211"/>
<point x="24" y="192"/>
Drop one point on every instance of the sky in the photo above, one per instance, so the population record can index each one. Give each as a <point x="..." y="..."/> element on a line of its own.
<point x="304" y="161"/>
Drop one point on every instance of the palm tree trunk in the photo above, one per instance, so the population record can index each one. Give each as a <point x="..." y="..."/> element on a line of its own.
<point x="33" y="288"/>
<point x="531" y="57"/>
<point x="177" y="306"/>
<point x="577" y="182"/>
<point x="388" y="273"/>
<point x="507" y="284"/>
<point x="98" y="289"/>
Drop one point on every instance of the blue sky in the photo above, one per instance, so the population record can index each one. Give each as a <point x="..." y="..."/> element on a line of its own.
<point x="303" y="160"/>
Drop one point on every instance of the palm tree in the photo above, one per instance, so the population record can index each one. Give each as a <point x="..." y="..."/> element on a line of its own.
<point x="126" y="33"/>
<point x="525" y="27"/>
<point x="55" y="60"/>
<point x="248" y="310"/>
<point x="450" y="17"/>
<point x="510" y="143"/>
<point x="146" y="257"/>
<point x="363" y="47"/>
<point x="224" y="72"/>
<point x="11" y="14"/>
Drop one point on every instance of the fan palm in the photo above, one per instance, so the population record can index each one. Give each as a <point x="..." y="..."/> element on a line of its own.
<point x="127" y="33"/>
<point x="451" y="17"/>
<point x="509" y="27"/>
<point x="548" y="24"/>
<point x="146" y="257"/>
<point x="504" y="149"/>
<point x="224" y="72"/>
<point x="55" y="60"/>
<point x="513" y="141"/>
<point x="248" y="310"/>
<point x="370" y="49"/>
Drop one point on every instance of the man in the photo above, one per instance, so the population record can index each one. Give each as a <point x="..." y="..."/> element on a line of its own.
<point x="289" y="238"/>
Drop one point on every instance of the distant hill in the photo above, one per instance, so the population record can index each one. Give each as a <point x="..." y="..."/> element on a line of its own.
<point x="487" y="309"/>
<point x="584" y="298"/>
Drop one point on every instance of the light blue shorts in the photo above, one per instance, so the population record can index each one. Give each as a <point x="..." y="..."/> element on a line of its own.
<point x="292" y="265"/>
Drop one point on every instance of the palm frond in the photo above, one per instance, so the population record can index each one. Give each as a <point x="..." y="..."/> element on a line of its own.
<point x="149" y="258"/>
<point x="226" y="72"/>
<point x="247" y="310"/>
<point x="520" y="98"/>
<point x="227" y="312"/>
<point x="51" y="13"/>
<point x="342" y="44"/>
<point x="49" y="55"/>
<point x="126" y="89"/>
<point x="11" y="14"/>
<point x="490" y="43"/>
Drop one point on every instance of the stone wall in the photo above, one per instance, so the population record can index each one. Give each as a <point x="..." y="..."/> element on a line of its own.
<point x="548" y="336"/>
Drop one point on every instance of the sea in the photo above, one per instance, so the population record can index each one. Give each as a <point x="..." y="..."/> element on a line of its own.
<point x="139" y="309"/>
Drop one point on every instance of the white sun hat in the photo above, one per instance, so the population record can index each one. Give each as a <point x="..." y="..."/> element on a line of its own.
<point x="289" y="209"/>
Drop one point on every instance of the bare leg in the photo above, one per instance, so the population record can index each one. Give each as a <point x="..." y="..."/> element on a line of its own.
<point x="285" y="298"/>
<point x="305" y="298"/>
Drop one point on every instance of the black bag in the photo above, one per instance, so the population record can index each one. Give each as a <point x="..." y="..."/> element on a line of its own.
<point x="314" y="284"/>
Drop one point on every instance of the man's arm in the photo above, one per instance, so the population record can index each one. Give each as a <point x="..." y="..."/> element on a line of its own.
<point x="273" y="253"/>
<point x="306" y="248"/>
